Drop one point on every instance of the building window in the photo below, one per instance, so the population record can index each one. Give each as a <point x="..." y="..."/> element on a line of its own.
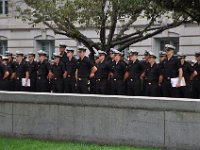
<point x="3" y="47"/>
<point x="172" y="41"/>
<point x="161" y="42"/>
<point x="3" y="7"/>
<point x="48" y="46"/>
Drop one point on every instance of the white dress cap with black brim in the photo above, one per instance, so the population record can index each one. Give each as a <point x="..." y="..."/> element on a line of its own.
<point x="81" y="48"/>
<point x="102" y="52"/>
<point x="169" y="46"/>
<point x="41" y="52"/>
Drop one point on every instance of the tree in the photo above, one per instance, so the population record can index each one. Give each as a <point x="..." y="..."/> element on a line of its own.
<point x="65" y="17"/>
<point x="189" y="8"/>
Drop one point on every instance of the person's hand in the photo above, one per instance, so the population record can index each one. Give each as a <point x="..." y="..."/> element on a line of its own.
<point x="91" y="75"/>
<point x="178" y="85"/>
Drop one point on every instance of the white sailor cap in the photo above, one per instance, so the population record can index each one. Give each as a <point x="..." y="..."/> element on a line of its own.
<point x="69" y="49"/>
<point x="31" y="53"/>
<point x="57" y="55"/>
<point x="151" y="54"/>
<point x="4" y="58"/>
<point x="168" y="46"/>
<point x="102" y="52"/>
<point x="8" y="53"/>
<point x="133" y="51"/>
<point x="41" y="52"/>
<point x="62" y="45"/>
<point x="81" y="48"/>
<point x="117" y="52"/>
<point x="180" y="54"/>
<point x="161" y="53"/>
<point x="19" y="53"/>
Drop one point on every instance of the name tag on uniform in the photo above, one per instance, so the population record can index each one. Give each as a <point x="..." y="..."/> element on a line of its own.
<point x="26" y="84"/>
<point x="174" y="81"/>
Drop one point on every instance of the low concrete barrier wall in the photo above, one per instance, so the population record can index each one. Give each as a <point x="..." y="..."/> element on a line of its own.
<point x="140" y="121"/>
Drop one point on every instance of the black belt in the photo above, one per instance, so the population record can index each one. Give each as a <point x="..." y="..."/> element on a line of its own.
<point x="151" y="83"/>
<point x="39" y="78"/>
<point x="58" y="78"/>
<point x="133" y="79"/>
<point x="80" y="79"/>
<point x="116" y="79"/>
<point x="100" y="79"/>
<point x="17" y="78"/>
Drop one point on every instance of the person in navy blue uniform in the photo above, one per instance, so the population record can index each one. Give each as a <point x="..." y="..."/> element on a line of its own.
<point x="188" y="74"/>
<point x="118" y="75"/>
<point x="4" y="74"/>
<point x="110" y="60"/>
<point x="133" y="72"/>
<point x="92" y="80"/>
<point x="84" y="71"/>
<point x="152" y="76"/>
<point x="171" y="68"/>
<point x="44" y="74"/>
<point x="21" y="71"/>
<point x="162" y="57"/>
<point x="196" y="80"/>
<point x="144" y="63"/>
<point x="11" y="67"/>
<point x="101" y="76"/>
<point x="59" y="73"/>
<point x="62" y="49"/>
<point x="33" y="71"/>
<point x="70" y="65"/>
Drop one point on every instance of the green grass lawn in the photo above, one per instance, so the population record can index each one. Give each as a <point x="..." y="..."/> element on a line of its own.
<point x="29" y="144"/>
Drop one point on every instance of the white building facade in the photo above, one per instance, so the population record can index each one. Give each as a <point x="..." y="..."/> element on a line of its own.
<point x="16" y="35"/>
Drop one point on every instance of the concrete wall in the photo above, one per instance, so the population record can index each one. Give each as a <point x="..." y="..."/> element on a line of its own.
<point x="139" y="121"/>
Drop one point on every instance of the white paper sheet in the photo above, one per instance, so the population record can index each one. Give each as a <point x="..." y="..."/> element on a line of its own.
<point x="28" y="84"/>
<point x="174" y="82"/>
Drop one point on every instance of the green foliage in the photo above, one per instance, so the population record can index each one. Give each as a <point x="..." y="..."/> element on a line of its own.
<point x="189" y="8"/>
<point x="66" y="16"/>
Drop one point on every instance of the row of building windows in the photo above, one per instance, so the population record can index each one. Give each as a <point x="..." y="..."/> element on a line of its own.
<point x="46" y="45"/>
<point x="49" y="45"/>
<point x="3" y="7"/>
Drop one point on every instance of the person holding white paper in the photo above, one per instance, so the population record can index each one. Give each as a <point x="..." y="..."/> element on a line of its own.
<point x="21" y="71"/>
<point x="188" y="74"/>
<point x="171" y="68"/>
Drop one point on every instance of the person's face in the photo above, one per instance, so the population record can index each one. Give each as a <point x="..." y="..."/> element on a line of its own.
<point x="19" y="58"/>
<point x="198" y="58"/>
<point x="112" y="56"/>
<point x="5" y="62"/>
<point x="42" y="58"/>
<point x="57" y="59"/>
<point x="146" y="57"/>
<point x="117" y="57"/>
<point x="97" y="60"/>
<point x="133" y="57"/>
<point x="31" y="58"/>
<point x="169" y="52"/>
<point x="62" y="49"/>
<point x="81" y="54"/>
<point x="151" y="59"/>
<point x="162" y="58"/>
<point x="101" y="57"/>
<point x="69" y="53"/>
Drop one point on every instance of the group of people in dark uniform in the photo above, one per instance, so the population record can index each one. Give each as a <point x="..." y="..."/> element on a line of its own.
<point x="107" y="74"/>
